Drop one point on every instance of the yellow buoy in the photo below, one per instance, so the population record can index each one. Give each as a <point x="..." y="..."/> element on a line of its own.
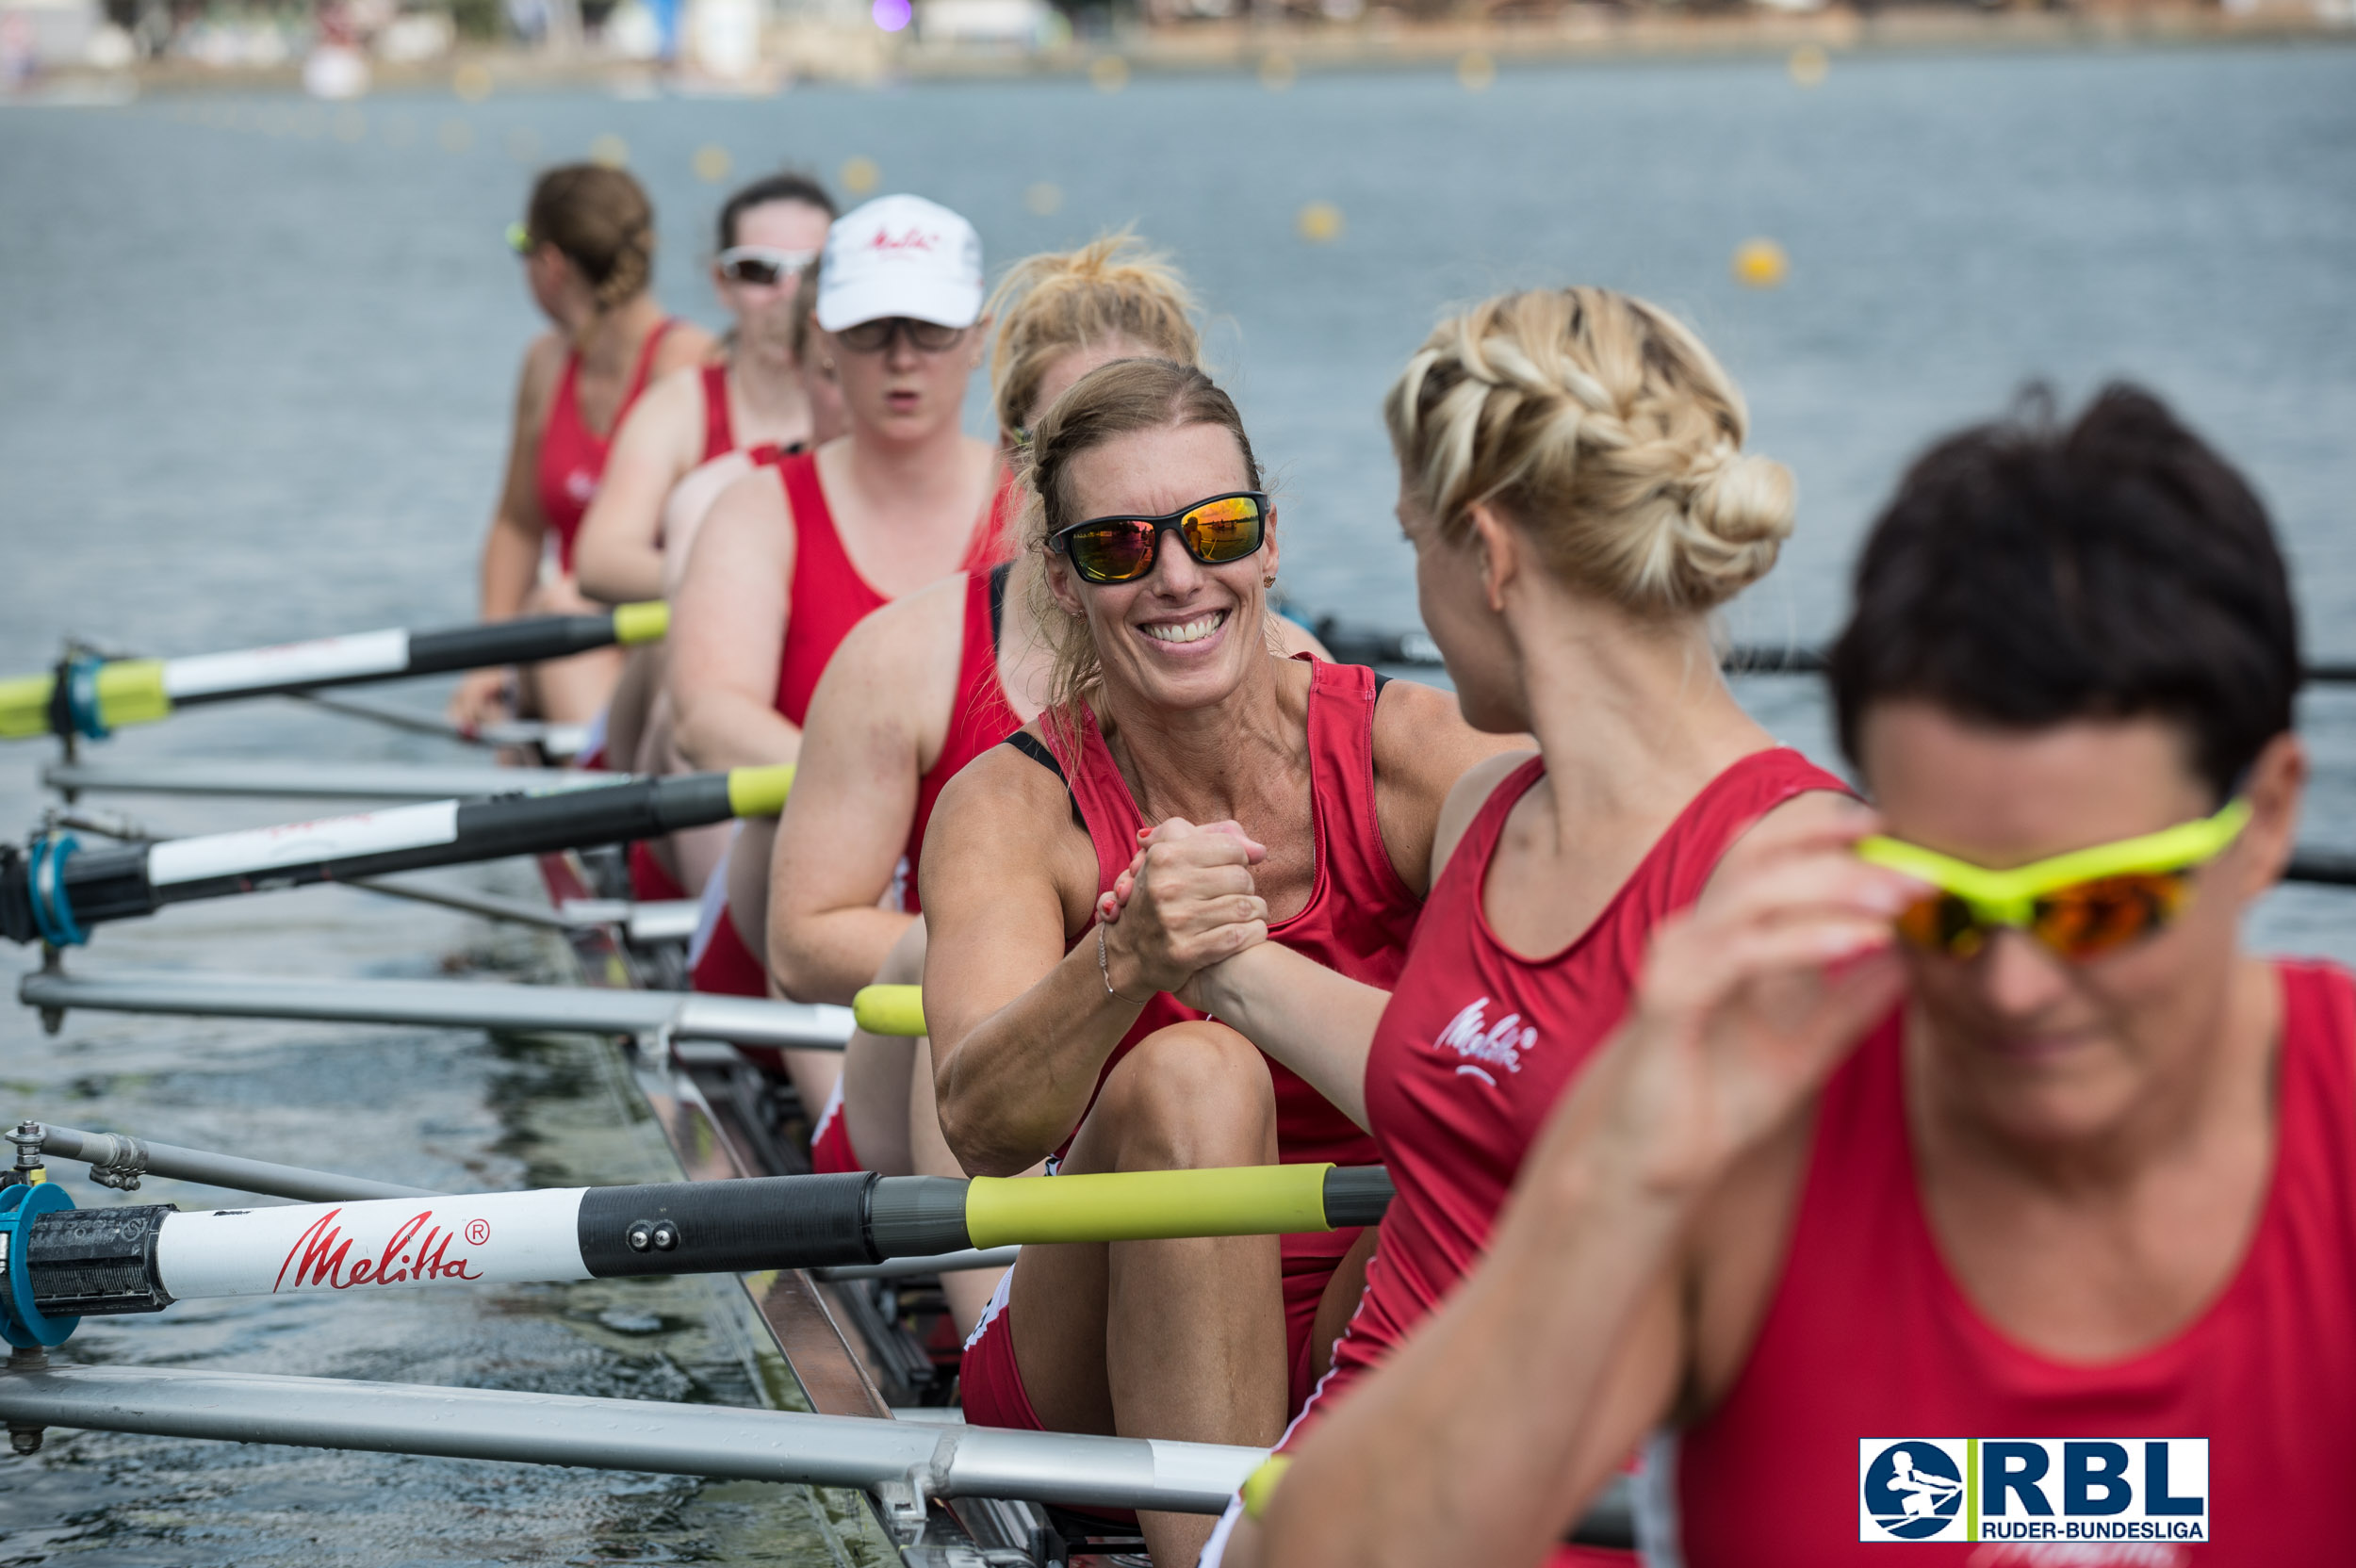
<point x="1807" y="64"/>
<point x="523" y="144"/>
<point x="455" y="136"/>
<point x="1277" y="71"/>
<point x="471" y="81"/>
<point x="1760" y="264"/>
<point x="611" y="151"/>
<point x="1043" y="198"/>
<point x="1110" y="73"/>
<point x="1320" y="222"/>
<point x="1476" y="72"/>
<point x="859" y="176"/>
<point x="713" y="164"/>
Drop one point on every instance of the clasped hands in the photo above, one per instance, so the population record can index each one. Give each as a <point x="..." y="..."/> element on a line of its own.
<point x="1187" y="901"/>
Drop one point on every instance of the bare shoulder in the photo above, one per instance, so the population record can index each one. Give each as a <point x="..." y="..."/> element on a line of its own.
<point x="1465" y="798"/>
<point x="686" y="344"/>
<point x="544" y="362"/>
<point x="904" y="656"/>
<point x="680" y="392"/>
<point x="1005" y="819"/>
<point x="750" y="514"/>
<point x="1812" y="808"/>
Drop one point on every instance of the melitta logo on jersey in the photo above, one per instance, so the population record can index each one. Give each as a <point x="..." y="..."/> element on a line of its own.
<point x="1483" y="1045"/>
<point x="2084" y="1490"/>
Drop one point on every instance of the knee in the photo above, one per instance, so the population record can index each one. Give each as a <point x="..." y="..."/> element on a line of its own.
<point x="1198" y="1093"/>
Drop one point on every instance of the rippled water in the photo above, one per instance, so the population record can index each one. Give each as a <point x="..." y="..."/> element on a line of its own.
<point x="252" y="384"/>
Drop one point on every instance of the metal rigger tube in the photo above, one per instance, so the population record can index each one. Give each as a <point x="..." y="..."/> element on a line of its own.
<point x="53" y="889"/>
<point x="128" y="1259"/>
<point x="92" y="697"/>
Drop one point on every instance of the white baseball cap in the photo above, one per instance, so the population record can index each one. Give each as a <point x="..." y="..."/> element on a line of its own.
<point x="900" y="255"/>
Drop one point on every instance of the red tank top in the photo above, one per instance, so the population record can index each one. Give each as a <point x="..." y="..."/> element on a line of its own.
<point x="572" y="456"/>
<point x="1869" y="1336"/>
<point x="982" y="716"/>
<point x="1357" y="921"/>
<point x="827" y="596"/>
<point x="719" y="434"/>
<point x="1478" y="1043"/>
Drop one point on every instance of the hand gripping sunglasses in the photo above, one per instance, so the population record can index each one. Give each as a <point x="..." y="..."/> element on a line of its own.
<point x="1216" y="532"/>
<point x="2081" y="905"/>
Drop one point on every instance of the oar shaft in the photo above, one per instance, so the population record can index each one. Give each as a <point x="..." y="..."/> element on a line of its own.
<point x="98" y="696"/>
<point x="60" y="887"/>
<point x="141" y="1259"/>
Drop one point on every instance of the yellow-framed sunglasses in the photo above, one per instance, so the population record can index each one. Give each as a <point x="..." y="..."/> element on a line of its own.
<point x="2081" y="905"/>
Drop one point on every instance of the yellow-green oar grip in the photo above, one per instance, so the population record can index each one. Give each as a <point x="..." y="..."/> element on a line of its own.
<point x="1259" y="1488"/>
<point x="641" y="623"/>
<point x="1147" y="1205"/>
<point x="131" y="690"/>
<point x="25" y="706"/>
<point x="758" y="792"/>
<point x="890" y="1009"/>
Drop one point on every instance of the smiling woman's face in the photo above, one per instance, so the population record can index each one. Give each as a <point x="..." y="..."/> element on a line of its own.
<point x="1185" y="635"/>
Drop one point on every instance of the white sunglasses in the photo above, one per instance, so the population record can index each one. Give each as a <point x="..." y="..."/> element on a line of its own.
<point x="758" y="264"/>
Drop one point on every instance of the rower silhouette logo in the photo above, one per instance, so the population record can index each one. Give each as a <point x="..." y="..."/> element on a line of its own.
<point x="1913" y="1491"/>
<point x="2073" y="1491"/>
<point x="1484" y="1046"/>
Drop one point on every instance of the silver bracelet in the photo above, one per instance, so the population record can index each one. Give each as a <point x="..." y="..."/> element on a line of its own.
<point x="1104" y="968"/>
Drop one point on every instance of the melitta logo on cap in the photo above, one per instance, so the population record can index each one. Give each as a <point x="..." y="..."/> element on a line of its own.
<point x="900" y="255"/>
<point x="2082" y="1490"/>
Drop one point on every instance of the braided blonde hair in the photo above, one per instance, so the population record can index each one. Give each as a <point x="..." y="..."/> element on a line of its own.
<point x="1112" y="289"/>
<point x="1602" y="426"/>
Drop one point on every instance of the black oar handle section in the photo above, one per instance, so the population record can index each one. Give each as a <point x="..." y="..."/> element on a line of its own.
<point x="517" y="642"/>
<point x="770" y="1222"/>
<point x="60" y="889"/>
<point x="1357" y="1195"/>
<point x="726" y="1227"/>
<point x="96" y="1263"/>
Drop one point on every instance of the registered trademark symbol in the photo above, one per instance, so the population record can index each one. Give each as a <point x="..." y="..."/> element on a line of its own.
<point x="478" y="1232"/>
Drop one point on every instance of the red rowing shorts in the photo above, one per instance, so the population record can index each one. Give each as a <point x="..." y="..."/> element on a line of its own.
<point x="991" y="1384"/>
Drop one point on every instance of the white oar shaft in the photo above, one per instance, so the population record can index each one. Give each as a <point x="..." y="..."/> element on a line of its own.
<point x="497" y="1237"/>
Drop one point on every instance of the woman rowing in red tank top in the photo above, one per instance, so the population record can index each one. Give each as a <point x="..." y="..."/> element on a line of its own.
<point x="769" y="234"/>
<point x="917" y="691"/>
<point x="1573" y="482"/>
<point x="1053" y="1034"/>
<point x="794" y="554"/>
<point x="587" y="243"/>
<point x="1968" y="1185"/>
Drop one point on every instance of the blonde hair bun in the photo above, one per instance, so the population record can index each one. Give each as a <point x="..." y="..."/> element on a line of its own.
<point x="1604" y="428"/>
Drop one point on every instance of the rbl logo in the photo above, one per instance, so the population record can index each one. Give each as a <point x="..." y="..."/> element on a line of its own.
<point x="2075" y="1489"/>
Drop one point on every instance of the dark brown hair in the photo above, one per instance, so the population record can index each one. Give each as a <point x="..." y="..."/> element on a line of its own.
<point x="2029" y="573"/>
<point x="786" y="185"/>
<point x="602" y="221"/>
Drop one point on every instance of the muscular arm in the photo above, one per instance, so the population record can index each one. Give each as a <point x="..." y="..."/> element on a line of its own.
<point x="510" y="551"/>
<point x="727" y="628"/>
<point x="1432" y="772"/>
<point x="854" y="794"/>
<point x="1020" y="1028"/>
<point x="618" y="557"/>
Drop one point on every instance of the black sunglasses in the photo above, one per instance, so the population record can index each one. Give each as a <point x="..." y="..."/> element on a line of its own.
<point x="1216" y="532"/>
<point x="874" y="337"/>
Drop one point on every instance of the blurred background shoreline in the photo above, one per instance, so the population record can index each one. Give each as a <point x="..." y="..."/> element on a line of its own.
<point x="74" y="51"/>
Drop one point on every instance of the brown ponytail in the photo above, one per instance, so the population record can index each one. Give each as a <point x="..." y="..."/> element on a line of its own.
<point x="602" y="221"/>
